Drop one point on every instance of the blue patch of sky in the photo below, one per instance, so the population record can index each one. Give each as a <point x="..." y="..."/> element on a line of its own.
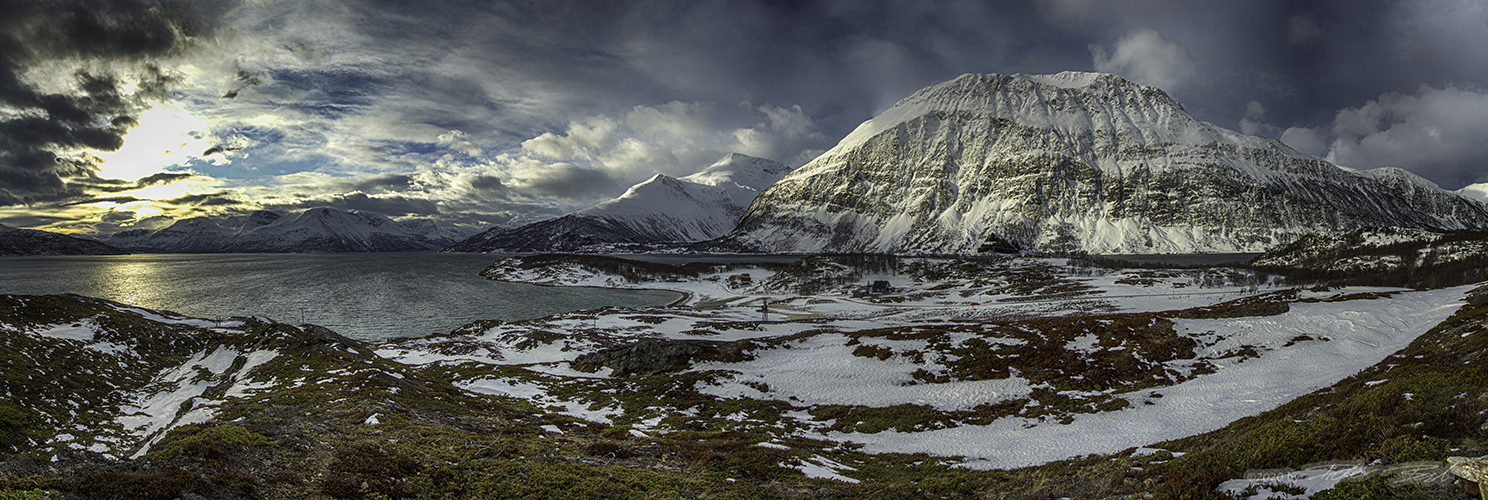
<point x="332" y="94"/>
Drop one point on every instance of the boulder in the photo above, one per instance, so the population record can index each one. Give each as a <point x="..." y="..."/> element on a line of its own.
<point x="1471" y="469"/>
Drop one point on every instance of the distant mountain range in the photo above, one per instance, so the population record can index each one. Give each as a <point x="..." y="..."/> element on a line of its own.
<point x="662" y="211"/>
<point x="316" y="230"/>
<point x="1073" y="162"/>
<point x="15" y="241"/>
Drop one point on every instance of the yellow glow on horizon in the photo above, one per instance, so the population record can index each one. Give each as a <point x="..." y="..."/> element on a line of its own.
<point x="164" y="137"/>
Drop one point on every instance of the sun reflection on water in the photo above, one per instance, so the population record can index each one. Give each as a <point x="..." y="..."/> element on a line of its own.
<point x="366" y="296"/>
<point x="134" y="282"/>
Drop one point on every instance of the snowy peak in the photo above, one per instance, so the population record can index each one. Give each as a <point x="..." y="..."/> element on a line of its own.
<point x="1071" y="162"/>
<point x="662" y="210"/>
<point x="1069" y="101"/>
<point x="260" y="218"/>
<point x="1067" y="79"/>
<point x="1477" y="192"/>
<point x="741" y="170"/>
<point x="432" y="230"/>
<point x="326" y="229"/>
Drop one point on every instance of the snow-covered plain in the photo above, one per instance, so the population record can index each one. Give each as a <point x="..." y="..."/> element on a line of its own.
<point x="1324" y="337"/>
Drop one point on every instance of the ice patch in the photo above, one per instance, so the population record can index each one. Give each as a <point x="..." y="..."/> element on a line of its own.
<point x="1313" y="481"/>
<point x="820" y="467"/>
<point x="539" y="395"/>
<point x="82" y="330"/>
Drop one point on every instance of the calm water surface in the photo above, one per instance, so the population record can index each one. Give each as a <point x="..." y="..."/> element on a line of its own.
<point x="1186" y="259"/>
<point x="366" y="296"/>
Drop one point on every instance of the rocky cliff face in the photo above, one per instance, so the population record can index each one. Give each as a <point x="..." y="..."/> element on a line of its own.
<point x="15" y="241"/>
<point x="663" y="210"/>
<point x="1071" y="162"/>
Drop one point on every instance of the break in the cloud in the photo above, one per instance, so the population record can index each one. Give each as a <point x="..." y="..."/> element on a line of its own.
<point x="1439" y="133"/>
<point x="74" y="76"/>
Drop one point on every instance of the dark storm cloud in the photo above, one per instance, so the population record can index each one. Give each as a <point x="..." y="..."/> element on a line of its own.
<point x="111" y="48"/>
<point x="565" y="182"/>
<point x="85" y="187"/>
<point x="218" y="199"/>
<point x="392" y="206"/>
<point x="163" y="178"/>
<point x="108" y="199"/>
<point x="487" y="184"/>
<point x="384" y="183"/>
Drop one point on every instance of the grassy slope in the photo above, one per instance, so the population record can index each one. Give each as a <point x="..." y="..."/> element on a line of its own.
<point x="1418" y="404"/>
<point x="433" y="440"/>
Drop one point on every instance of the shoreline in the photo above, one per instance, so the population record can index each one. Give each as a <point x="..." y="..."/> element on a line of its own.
<point x="684" y="294"/>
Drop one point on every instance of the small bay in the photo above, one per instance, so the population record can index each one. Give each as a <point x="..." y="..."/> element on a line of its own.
<point x="367" y="296"/>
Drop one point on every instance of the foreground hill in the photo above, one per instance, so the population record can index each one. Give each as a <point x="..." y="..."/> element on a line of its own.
<point x="1071" y="162"/>
<point x="662" y="211"/>
<point x="15" y="241"/>
<point x="315" y="230"/>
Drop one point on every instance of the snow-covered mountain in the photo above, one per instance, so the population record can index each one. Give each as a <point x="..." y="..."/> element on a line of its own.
<point x="16" y="241"/>
<point x="1071" y="162"/>
<point x="314" y="230"/>
<point x="661" y="210"/>
<point x="1477" y="191"/>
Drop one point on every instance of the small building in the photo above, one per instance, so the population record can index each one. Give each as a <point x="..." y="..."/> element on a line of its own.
<point x="745" y="279"/>
<point x="880" y="287"/>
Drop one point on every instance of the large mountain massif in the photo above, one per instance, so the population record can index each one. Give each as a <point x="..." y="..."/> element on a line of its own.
<point x="316" y="230"/>
<point x="663" y="210"/>
<point x="1071" y="162"/>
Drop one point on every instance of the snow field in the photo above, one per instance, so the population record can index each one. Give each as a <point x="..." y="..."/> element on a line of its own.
<point x="153" y="413"/>
<point x="822" y="370"/>
<point x="1363" y="334"/>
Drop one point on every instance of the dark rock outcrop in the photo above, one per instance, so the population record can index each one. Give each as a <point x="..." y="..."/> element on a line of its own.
<point x="651" y="357"/>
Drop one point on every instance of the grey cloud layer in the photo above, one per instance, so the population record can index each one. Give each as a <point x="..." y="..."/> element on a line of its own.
<point x="74" y="75"/>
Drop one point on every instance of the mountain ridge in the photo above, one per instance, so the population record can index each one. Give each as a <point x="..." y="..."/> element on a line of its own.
<point x="1072" y="162"/>
<point x="313" y="230"/>
<point x="17" y="241"/>
<point x="659" y="211"/>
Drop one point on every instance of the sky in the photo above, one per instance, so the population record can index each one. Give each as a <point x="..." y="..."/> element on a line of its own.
<point x="125" y="114"/>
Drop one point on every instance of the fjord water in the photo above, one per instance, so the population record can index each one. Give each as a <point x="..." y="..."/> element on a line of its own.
<point x="368" y="296"/>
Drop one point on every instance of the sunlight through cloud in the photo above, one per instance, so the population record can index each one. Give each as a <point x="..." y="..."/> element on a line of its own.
<point x="165" y="136"/>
